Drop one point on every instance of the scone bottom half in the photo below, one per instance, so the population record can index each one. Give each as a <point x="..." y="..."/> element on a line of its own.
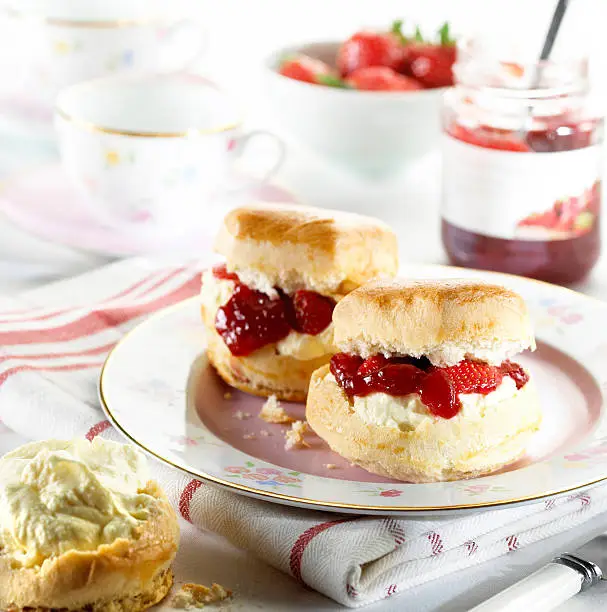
<point x="83" y="528"/>
<point x="425" y="387"/>
<point x="268" y="309"/>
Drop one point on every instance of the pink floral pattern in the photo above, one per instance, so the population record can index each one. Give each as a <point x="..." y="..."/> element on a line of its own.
<point x="478" y="489"/>
<point x="594" y="454"/>
<point x="271" y="477"/>
<point x="381" y="492"/>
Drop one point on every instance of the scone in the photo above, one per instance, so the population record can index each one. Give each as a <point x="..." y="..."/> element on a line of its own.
<point x="82" y="527"/>
<point x="424" y="389"/>
<point x="267" y="310"/>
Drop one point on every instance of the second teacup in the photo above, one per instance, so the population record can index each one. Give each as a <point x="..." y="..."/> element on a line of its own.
<point x="150" y="153"/>
<point x="56" y="44"/>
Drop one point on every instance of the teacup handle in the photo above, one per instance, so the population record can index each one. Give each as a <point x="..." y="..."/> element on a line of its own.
<point x="179" y="28"/>
<point x="238" y="149"/>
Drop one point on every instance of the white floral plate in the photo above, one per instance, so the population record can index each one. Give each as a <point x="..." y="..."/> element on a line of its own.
<point x="158" y="390"/>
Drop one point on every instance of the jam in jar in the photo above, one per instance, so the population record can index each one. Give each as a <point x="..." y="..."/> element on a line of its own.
<point x="521" y="168"/>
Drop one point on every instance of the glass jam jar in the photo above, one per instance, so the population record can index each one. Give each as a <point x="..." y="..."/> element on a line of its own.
<point x="522" y="164"/>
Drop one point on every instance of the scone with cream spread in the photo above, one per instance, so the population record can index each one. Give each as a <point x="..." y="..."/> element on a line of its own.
<point x="267" y="310"/>
<point x="424" y="388"/>
<point x="83" y="527"/>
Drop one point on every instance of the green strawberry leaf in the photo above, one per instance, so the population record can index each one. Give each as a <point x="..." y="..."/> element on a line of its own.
<point x="418" y="36"/>
<point x="331" y="81"/>
<point x="444" y="35"/>
<point x="397" y="30"/>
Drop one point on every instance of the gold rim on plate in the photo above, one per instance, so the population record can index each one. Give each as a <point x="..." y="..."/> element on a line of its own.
<point x="337" y="505"/>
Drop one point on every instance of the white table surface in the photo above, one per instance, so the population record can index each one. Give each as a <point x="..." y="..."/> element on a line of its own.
<point x="410" y="204"/>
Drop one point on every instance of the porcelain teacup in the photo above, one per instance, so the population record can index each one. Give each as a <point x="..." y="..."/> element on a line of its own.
<point x="152" y="153"/>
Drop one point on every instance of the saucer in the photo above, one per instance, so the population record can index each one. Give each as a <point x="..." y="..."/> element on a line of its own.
<point x="43" y="202"/>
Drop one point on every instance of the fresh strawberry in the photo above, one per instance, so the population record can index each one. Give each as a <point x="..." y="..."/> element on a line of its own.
<point x="380" y="78"/>
<point x="312" y="312"/>
<point x="373" y="364"/>
<point x="431" y="64"/>
<point x="516" y="372"/>
<point x="395" y="379"/>
<point x="344" y="367"/>
<point x="473" y="377"/>
<point x="304" y="68"/>
<point x="438" y="394"/>
<point x="366" y="49"/>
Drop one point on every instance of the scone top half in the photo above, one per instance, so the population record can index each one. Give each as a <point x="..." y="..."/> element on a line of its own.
<point x="299" y="261"/>
<point x="425" y="373"/>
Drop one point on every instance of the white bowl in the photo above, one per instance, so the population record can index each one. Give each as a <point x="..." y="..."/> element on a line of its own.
<point x="373" y="133"/>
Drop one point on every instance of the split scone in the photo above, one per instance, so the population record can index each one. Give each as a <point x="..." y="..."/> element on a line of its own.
<point x="424" y="389"/>
<point x="82" y="527"/>
<point x="267" y="310"/>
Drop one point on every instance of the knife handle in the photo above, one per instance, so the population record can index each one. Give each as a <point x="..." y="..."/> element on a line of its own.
<point x="544" y="590"/>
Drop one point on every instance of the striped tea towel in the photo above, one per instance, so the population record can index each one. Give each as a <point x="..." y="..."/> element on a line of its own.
<point x="53" y="342"/>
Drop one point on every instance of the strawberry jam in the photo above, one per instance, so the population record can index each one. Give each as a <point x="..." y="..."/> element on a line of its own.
<point x="439" y="388"/>
<point x="522" y="167"/>
<point x="251" y="319"/>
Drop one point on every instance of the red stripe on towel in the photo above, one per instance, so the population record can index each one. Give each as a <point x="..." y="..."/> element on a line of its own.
<point x="95" y="430"/>
<point x="186" y="498"/>
<point x="60" y="368"/>
<point x="298" y="549"/>
<point x="436" y="543"/>
<point x="83" y="353"/>
<point x="512" y="542"/>
<point x="124" y="293"/>
<point x="99" y="320"/>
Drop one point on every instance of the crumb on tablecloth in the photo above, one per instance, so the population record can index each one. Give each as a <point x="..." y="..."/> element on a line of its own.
<point x="240" y="415"/>
<point x="197" y="595"/>
<point x="250" y="436"/>
<point x="227" y="395"/>
<point x="273" y="412"/>
<point x="295" y="436"/>
<point x="330" y="466"/>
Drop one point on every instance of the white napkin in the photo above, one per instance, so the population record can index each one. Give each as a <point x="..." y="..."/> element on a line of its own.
<point x="53" y="342"/>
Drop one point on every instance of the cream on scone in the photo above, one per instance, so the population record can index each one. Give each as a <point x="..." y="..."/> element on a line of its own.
<point x="424" y="388"/>
<point x="83" y="527"/>
<point x="267" y="310"/>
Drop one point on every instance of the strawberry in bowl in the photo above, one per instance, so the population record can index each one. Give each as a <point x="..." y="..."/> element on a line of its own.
<point x="380" y="61"/>
<point x="370" y="103"/>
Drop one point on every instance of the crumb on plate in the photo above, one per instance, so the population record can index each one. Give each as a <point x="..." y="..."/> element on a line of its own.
<point x="197" y="595"/>
<point x="240" y="415"/>
<point x="227" y="395"/>
<point x="264" y="433"/>
<point x="273" y="412"/>
<point x="295" y="436"/>
<point x="249" y="436"/>
<point x="330" y="466"/>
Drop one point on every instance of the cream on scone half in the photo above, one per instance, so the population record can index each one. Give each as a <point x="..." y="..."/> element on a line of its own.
<point x="83" y="527"/>
<point x="426" y="386"/>
<point x="267" y="310"/>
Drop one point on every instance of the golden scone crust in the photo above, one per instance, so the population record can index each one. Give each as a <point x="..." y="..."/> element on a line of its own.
<point x="438" y="450"/>
<point x="262" y="373"/>
<point x="127" y="575"/>
<point x="418" y="317"/>
<point x="292" y="245"/>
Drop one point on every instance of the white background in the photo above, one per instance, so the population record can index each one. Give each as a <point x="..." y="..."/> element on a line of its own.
<point x="242" y="33"/>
